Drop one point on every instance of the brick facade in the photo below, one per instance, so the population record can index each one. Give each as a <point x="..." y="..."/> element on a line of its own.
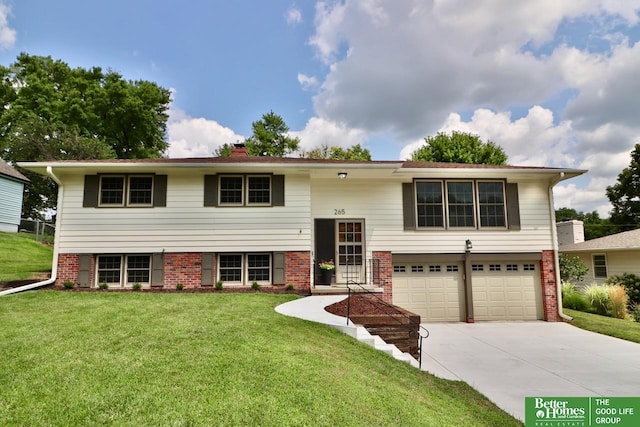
<point x="549" y="287"/>
<point x="185" y="268"/>
<point x="385" y="272"/>
<point x="68" y="265"/>
<point x="297" y="270"/>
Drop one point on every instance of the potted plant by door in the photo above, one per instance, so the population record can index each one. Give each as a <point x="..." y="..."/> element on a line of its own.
<point x="326" y="271"/>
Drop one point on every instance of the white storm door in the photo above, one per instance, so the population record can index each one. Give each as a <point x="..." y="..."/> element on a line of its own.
<point x="350" y="251"/>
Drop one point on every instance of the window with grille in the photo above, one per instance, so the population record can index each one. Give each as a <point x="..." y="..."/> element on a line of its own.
<point x="430" y="204"/>
<point x="494" y="267"/>
<point x="417" y="269"/>
<point x="512" y="267"/>
<point x="600" y="266"/>
<point x="399" y="269"/>
<point x="460" y="204"/>
<point x="452" y="268"/>
<point x="491" y="204"/>
<point x="477" y="267"/>
<point x="529" y="267"/>
<point x="133" y="190"/>
<point x="435" y="269"/>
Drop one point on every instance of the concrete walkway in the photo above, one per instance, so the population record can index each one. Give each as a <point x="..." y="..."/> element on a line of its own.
<point x="508" y="361"/>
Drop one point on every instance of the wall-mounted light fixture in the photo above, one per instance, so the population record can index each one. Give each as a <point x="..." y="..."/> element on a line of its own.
<point x="468" y="245"/>
<point x="342" y="174"/>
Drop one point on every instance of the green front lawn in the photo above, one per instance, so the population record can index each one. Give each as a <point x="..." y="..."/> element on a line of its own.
<point x="625" y="329"/>
<point x="80" y="358"/>
<point x="21" y="257"/>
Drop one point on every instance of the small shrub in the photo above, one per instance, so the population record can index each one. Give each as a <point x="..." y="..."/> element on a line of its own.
<point x="572" y="268"/>
<point x="631" y="283"/>
<point x="635" y="312"/>
<point x="598" y="297"/>
<point x="572" y="298"/>
<point x="136" y="286"/>
<point x="255" y="286"/>
<point x="289" y="287"/>
<point x="179" y="286"/>
<point x="103" y="286"/>
<point x="619" y="301"/>
<point x="68" y="284"/>
<point x="219" y="284"/>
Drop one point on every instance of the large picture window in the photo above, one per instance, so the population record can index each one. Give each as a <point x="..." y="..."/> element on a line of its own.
<point x="112" y="269"/>
<point x="244" y="269"/>
<point x="134" y="190"/>
<point x="460" y="204"/>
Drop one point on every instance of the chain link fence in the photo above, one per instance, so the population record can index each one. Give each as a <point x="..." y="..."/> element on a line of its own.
<point x="43" y="231"/>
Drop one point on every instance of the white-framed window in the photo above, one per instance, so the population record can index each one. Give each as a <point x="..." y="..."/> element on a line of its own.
<point x="600" y="266"/>
<point x="460" y="204"/>
<point x="244" y="190"/>
<point x="122" y="190"/>
<point x="244" y="269"/>
<point x="123" y="270"/>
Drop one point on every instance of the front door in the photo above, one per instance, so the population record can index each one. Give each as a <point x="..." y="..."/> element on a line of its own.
<point x="350" y="251"/>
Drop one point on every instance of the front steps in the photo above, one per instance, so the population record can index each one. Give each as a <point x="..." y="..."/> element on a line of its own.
<point x="362" y="335"/>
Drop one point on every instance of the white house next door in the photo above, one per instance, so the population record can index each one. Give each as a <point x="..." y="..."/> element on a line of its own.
<point x="350" y="251"/>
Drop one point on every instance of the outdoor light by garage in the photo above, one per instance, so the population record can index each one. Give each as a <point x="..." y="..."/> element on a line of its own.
<point x="342" y="174"/>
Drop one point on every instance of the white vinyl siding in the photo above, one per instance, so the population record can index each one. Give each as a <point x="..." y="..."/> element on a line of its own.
<point x="185" y="225"/>
<point x="618" y="263"/>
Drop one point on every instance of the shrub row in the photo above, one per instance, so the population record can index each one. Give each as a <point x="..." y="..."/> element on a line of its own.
<point x="606" y="300"/>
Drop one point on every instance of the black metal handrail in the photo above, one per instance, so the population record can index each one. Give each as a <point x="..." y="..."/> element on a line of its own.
<point x="369" y="292"/>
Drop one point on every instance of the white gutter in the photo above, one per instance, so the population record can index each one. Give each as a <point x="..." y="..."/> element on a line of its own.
<point x="54" y="267"/>
<point x="554" y="237"/>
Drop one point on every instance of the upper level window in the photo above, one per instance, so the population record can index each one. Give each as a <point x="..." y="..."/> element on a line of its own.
<point x="599" y="266"/>
<point x="137" y="188"/>
<point x="454" y="204"/>
<point x="245" y="190"/>
<point x="491" y="204"/>
<point x="460" y="204"/>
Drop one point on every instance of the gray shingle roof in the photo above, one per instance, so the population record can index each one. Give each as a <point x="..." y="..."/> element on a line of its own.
<point x="624" y="240"/>
<point x="7" y="170"/>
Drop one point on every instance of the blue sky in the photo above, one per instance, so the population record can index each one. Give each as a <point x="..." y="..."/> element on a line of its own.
<point x="552" y="82"/>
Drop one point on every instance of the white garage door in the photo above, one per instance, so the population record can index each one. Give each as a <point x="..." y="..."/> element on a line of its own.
<point x="433" y="291"/>
<point x="506" y="291"/>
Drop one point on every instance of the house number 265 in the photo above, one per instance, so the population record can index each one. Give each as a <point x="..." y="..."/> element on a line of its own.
<point x="338" y="212"/>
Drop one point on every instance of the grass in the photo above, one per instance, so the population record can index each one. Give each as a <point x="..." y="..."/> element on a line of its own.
<point x="21" y="257"/>
<point x="625" y="329"/>
<point x="72" y="358"/>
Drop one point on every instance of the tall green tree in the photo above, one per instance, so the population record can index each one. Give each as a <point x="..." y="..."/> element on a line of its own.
<point x="625" y="194"/>
<point x="460" y="147"/>
<point x="54" y="112"/>
<point x="270" y="137"/>
<point x="594" y="226"/>
<point x="355" y="152"/>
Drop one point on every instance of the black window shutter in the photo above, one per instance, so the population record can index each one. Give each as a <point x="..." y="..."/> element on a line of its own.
<point x="91" y="189"/>
<point x="157" y="269"/>
<point x="408" y="206"/>
<point x="278" y="268"/>
<point x="207" y="269"/>
<point x="277" y="190"/>
<point x="211" y="190"/>
<point x="513" y="206"/>
<point x="160" y="190"/>
<point x="84" y="271"/>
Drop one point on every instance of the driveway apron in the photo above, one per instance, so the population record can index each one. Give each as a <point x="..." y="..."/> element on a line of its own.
<point x="508" y="361"/>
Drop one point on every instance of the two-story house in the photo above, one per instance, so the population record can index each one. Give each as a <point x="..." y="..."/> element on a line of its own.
<point x="450" y="242"/>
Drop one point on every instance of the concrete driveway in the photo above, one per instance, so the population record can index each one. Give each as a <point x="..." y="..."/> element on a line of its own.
<point x="512" y="360"/>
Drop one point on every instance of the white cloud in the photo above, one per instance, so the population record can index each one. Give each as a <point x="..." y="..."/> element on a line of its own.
<point x="319" y="132"/>
<point x="293" y="16"/>
<point x="7" y="34"/>
<point x="196" y="137"/>
<point x="307" y="82"/>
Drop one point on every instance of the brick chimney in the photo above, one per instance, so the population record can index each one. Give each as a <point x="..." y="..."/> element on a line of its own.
<point x="239" y="150"/>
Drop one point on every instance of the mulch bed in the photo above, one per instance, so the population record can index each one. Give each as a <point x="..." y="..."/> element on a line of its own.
<point x="361" y="305"/>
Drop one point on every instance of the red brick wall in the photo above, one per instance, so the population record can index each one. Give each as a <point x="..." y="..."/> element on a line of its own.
<point x="67" y="268"/>
<point x="185" y="268"/>
<point x="550" y="298"/>
<point x="297" y="270"/>
<point x="385" y="266"/>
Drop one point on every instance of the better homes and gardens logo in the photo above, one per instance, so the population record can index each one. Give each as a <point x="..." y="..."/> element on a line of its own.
<point x="582" y="411"/>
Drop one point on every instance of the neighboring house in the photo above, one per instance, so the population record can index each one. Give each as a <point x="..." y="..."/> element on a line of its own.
<point x="606" y="256"/>
<point x="12" y="185"/>
<point x="450" y="242"/>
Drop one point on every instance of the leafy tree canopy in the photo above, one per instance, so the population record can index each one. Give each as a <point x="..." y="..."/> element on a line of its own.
<point x="54" y="112"/>
<point x="355" y="152"/>
<point x="459" y="147"/>
<point x="594" y="226"/>
<point x="625" y="194"/>
<point x="270" y="137"/>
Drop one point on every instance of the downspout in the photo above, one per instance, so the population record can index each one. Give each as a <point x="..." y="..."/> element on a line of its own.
<point x="554" y="237"/>
<point x="54" y="267"/>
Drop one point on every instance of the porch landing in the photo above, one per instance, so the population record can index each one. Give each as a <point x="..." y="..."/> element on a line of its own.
<point x="343" y="290"/>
